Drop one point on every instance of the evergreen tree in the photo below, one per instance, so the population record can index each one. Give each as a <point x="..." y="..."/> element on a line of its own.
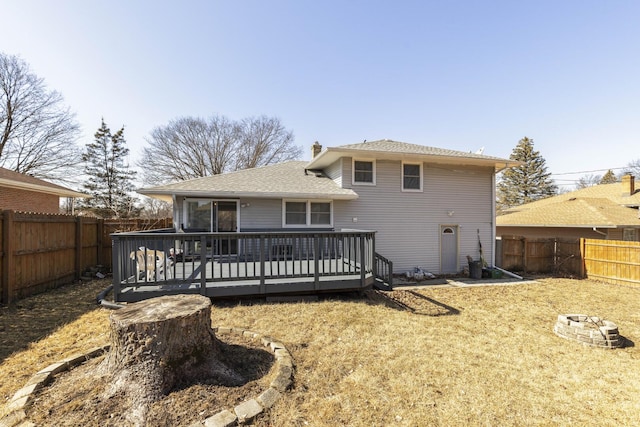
<point x="608" y="178"/>
<point x="109" y="178"/>
<point x="528" y="182"/>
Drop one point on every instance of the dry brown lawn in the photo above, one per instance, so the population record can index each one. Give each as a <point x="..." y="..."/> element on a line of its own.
<point x="479" y="356"/>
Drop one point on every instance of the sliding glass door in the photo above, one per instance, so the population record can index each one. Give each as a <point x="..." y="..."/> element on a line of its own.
<point x="214" y="216"/>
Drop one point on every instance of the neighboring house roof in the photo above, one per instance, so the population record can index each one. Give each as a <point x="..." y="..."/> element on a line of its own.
<point x="12" y="179"/>
<point x="602" y="206"/>
<point x="284" y="180"/>
<point x="394" y="150"/>
<point x="583" y="212"/>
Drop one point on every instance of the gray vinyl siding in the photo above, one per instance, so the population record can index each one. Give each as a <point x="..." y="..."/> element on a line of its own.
<point x="334" y="172"/>
<point x="260" y="214"/>
<point x="408" y="223"/>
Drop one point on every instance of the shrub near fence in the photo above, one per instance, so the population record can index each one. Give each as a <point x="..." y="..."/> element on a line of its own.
<point x="42" y="251"/>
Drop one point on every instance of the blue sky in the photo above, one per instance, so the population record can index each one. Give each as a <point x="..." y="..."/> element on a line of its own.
<point x="451" y="74"/>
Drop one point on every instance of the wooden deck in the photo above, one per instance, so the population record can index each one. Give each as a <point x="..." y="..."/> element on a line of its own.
<point x="241" y="264"/>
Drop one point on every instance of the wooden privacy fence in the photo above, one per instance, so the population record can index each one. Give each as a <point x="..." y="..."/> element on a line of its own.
<point x="42" y="251"/>
<point x="612" y="261"/>
<point x="540" y="255"/>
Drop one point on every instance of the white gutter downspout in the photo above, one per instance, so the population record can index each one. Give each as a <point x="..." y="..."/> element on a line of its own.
<point x="493" y="220"/>
<point x="599" y="232"/>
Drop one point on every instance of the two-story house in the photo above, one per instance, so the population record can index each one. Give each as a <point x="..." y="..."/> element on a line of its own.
<point x="430" y="207"/>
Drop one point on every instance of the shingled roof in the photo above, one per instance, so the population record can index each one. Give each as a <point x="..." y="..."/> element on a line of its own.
<point x="395" y="150"/>
<point x="284" y="180"/>
<point x="12" y="179"/>
<point x="603" y="206"/>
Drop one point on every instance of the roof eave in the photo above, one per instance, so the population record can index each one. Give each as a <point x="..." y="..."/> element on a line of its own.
<point x="166" y="194"/>
<point x="564" y="225"/>
<point x="331" y="154"/>
<point x="60" y="192"/>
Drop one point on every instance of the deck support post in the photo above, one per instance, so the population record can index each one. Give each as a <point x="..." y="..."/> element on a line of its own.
<point x="316" y="263"/>
<point x="203" y="263"/>
<point x="117" y="266"/>
<point x="363" y="262"/>
<point x="262" y="261"/>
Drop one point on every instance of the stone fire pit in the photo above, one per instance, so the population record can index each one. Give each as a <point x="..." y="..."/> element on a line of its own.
<point x="591" y="331"/>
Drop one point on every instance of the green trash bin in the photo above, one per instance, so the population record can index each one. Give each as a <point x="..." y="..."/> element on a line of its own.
<point x="475" y="269"/>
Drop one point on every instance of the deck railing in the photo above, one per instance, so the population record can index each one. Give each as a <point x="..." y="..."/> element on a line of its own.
<point x="207" y="262"/>
<point x="384" y="271"/>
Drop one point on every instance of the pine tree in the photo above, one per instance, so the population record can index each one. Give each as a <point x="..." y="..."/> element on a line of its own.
<point x="109" y="178"/>
<point x="526" y="183"/>
<point x="608" y="178"/>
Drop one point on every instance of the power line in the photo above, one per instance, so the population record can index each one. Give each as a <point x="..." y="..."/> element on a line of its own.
<point x="590" y="171"/>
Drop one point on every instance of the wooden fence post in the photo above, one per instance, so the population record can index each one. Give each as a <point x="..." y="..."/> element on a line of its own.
<point x="100" y="242"/>
<point x="524" y="255"/>
<point x="8" y="261"/>
<point x="582" y="261"/>
<point x="78" y="262"/>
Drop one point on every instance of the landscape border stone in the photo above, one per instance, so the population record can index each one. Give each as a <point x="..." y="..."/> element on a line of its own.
<point x="242" y="413"/>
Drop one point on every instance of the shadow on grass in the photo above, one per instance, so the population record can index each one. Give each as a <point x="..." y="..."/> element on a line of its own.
<point x="626" y="342"/>
<point x="448" y="309"/>
<point x="405" y="300"/>
<point x="33" y="318"/>
<point x="414" y="302"/>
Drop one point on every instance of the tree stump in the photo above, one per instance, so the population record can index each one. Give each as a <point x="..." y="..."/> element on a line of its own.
<point x="158" y="344"/>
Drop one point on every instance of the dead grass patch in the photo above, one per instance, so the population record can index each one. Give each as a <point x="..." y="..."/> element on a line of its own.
<point x="358" y="363"/>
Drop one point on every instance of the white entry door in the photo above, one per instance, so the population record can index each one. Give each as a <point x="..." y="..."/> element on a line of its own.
<point x="448" y="249"/>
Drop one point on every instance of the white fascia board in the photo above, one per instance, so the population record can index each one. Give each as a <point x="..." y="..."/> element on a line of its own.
<point x="252" y="195"/>
<point x="332" y="154"/>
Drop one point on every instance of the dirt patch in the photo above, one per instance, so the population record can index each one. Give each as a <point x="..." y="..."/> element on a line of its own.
<point x="76" y="396"/>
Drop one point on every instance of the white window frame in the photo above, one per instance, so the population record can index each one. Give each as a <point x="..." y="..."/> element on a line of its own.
<point x="308" y="203"/>
<point x="353" y="171"/>
<point x="411" y="190"/>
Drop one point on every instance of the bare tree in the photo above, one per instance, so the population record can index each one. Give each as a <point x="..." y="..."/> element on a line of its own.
<point x="155" y="209"/>
<point x="37" y="132"/>
<point x="264" y="141"/>
<point x="633" y="168"/>
<point x="588" y="181"/>
<point x="190" y="147"/>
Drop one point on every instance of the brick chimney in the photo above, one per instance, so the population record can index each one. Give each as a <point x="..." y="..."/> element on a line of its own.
<point x="628" y="185"/>
<point x="315" y="149"/>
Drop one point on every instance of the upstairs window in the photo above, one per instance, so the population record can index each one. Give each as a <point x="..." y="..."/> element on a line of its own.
<point x="364" y="172"/>
<point x="411" y="176"/>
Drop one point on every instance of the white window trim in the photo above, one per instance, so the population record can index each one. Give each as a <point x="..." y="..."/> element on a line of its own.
<point x="411" y="190"/>
<point x="353" y="171"/>
<point x="308" y="213"/>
